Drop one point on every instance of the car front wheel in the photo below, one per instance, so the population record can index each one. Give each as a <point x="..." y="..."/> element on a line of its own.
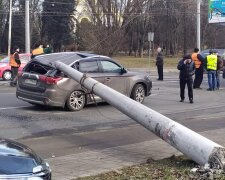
<point x="7" y="75"/>
<point x="76" y="101"/>
<point x="138" y="93"/>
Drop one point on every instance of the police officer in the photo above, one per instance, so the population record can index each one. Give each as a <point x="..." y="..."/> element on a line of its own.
<point x="15" y="64"/>
<point x="211" y="66"/>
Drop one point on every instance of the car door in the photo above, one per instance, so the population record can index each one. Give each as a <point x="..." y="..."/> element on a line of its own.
<point x="113" y="75"/>
<point x="91" y="68"/>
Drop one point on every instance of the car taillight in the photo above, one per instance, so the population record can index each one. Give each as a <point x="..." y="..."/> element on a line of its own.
<point x="50" y="80"/>
<point x="53" y="80"/>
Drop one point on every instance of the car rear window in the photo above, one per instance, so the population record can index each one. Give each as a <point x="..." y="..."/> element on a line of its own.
<point x="37" y="68"/>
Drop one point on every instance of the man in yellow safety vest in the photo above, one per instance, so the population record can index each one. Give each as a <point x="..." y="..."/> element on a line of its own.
<point x="211" y="66"/>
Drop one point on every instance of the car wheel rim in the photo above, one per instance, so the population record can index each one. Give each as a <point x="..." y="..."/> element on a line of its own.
<point x="77" y="100"/>
<point x="7" y="75"/>
<point x="140" y="94"/>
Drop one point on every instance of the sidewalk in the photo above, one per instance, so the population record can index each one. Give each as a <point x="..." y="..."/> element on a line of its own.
<point x="100" y="161"/>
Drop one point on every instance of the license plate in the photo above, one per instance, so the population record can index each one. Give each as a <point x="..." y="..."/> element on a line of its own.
<point x="31" y="81"/>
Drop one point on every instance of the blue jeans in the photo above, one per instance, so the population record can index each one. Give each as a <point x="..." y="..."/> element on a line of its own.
<point x="212" y="79"/>
<point x="218" y="79"/>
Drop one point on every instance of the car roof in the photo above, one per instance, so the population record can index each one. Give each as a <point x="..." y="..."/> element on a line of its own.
<point x="205" y="52"/>
<point x="65" y="57"/>
<point x="12" y="148"/>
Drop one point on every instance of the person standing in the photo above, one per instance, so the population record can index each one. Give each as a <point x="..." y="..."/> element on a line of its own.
<point x="211" y="66"/>
<point x="37" y="51"/>
<point x="187" y="69"/>
<point x="218" y="69"/>
<point x="15" y="64"/>
<point x="199" y="68"/>
<point x="159" y="64"/>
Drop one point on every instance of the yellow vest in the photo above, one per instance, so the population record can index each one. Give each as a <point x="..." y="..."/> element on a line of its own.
<point x="211" y="62"/>
<point x="38" y="51"/>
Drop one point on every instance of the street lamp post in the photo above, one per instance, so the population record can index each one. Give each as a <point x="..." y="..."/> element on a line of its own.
<point x="27" y="26"/>
<point x="10" y="27"/>
<point x="198" y="25"/>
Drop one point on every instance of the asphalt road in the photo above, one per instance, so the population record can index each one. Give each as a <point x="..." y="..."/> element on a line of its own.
<point x="57" y="133"/>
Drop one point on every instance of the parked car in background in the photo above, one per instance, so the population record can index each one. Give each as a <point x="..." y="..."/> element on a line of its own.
<point x="18" y="161"/>
<point x="220" y="52"/>
<point x="41" y="83"/>
<point x="5" y="68"/>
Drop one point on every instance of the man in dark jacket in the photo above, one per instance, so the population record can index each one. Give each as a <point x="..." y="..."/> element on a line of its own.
<point x="219" y="68"/>
<point x="187" y="70"/>
<point x="159" y="64"/>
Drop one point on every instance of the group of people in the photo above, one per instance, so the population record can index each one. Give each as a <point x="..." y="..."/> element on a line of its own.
<point x="195" y="64"/>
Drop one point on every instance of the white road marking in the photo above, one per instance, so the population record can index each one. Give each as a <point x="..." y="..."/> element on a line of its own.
<point x="13" y="107"/>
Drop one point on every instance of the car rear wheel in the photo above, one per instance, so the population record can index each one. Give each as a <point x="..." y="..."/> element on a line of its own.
<point x="76" y="101"/>
<point x="138" y="93"/>
<point x="7" y="75"/>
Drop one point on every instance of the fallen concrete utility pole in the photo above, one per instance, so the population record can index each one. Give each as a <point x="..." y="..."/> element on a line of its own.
<point x="193" y="145"/>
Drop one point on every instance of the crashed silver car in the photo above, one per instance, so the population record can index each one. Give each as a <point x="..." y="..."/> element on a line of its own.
<point x="41" y="83"/>
<point x="18" y="161"/>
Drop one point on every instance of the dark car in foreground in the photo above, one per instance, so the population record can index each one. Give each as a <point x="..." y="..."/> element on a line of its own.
<point x="18" y="161"/>
<point x="41" y="83"/>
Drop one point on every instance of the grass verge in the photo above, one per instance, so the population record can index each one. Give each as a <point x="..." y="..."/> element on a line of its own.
<point x="145" y="62"/>
<point x="173" y="168"/>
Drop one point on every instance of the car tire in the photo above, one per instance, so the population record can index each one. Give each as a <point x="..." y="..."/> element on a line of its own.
<point x="7" y="75"/>
<point x="138" y="93"/>
<point x="76" y="101"/>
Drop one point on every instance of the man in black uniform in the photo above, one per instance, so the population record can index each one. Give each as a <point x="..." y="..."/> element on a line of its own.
<point x="187" y="70"/>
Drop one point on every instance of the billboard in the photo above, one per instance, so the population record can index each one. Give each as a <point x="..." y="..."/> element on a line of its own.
<point x="216" y="13"/>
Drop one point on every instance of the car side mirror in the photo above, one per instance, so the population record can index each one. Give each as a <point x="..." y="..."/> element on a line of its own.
<point x="37" y="169"/>
<point x="123" y="70"/>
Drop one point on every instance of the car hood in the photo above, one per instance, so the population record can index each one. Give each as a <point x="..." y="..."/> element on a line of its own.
<point x="3" y="64"/>
<point x="12" y="148"/>
<point x="137" y="72"/>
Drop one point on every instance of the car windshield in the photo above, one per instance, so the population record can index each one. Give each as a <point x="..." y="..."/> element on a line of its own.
<point x="16" y="165"/>
<point x="5" y="60"/>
